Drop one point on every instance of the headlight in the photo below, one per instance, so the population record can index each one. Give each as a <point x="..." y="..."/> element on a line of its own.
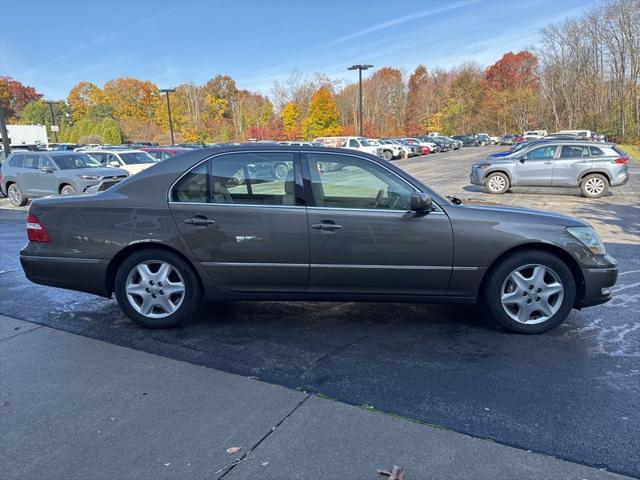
<point x="89" y="177"/>
<point x="589" y="238"/>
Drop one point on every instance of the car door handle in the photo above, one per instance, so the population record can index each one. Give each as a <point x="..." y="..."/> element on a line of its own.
<point x="199" y="221"/>
<point x="326" y="226"/>
<point x="548" y="163"/>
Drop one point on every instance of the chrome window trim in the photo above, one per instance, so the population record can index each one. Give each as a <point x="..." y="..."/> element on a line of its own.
<point x="381" y="210"/>
<point x="300" y="153"/>
<point x="237" y="205"/>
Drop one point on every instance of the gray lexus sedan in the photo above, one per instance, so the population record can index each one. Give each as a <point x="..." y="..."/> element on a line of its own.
<point x="217" y="223"/>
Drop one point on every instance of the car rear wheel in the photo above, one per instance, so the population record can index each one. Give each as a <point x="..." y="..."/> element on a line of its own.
<point x="16" y="196"/>
<point x="496" y="183"/>
<point x="67" y="190"/>
<point x="387" y="155"/>
<point x="280" y="171"/>
<point x="157" y="289"/>
<point x="530" y="292"/>
<point x="594" y="185"/>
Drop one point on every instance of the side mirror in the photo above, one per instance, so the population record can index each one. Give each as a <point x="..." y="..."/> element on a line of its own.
<point x="420" y="202"/>
<point x="522" y="159"/>
<point x="114" y="163"/>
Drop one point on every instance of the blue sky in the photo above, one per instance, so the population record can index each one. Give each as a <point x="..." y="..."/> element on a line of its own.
<point x="256" y="42"/>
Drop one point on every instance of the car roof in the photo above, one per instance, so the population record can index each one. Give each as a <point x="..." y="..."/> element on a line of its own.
<point x="114" y="150"/>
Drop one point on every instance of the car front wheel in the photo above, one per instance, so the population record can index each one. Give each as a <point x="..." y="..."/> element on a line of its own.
<point x="16" y="197"/>
<point x="496" y="183"/>
<point x="157" y="289"/>
<point x="530" y="292"/>
<point x="67" y="190"/>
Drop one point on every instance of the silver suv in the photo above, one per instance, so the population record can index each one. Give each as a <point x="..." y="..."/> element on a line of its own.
<point x="591" y="167"/>
<point x="38" y="174"/>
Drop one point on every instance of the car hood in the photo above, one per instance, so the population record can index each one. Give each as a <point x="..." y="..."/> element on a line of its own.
<point x="97" y="171"/>
<point x="526" y="215"/>
<point x="499" y="155"/>
<point x="137" y="167"/>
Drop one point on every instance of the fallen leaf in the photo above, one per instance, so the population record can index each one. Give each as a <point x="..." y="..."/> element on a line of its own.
<point x="167" y="464"/>
<point x="264" y="464"/>
<point x="231" y="450"/>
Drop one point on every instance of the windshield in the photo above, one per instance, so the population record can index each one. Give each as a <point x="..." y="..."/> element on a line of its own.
<point x="78" y="160"/>
<point x="134" y="158"/>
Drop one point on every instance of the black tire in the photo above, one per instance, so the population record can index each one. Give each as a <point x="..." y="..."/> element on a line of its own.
<point x="15" y="195"/>
<point x="192" y="290"/>
<point x="387" y="155"/>
<point x="497" y="276"/>
<point x="497" y="183"/>
<point x="594" y="185"/>
<point x="67" y="190"/>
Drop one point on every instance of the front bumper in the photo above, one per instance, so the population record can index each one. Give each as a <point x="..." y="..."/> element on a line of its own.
<point x="598" y="283"/>
<point x="476" y="177"/>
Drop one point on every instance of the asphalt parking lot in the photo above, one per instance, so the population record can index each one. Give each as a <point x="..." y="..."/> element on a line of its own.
<point x="572" y="393"/>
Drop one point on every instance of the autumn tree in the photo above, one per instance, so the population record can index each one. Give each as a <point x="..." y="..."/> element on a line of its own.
<point x="290" y="116"/>
<point x="83" y="96"/>
<point x="323" y="118"/>
<point x="385" y="101"/>
<point x="14" y="96"/>
<point x="512" y="86"/>
<point x="417" y="101"/>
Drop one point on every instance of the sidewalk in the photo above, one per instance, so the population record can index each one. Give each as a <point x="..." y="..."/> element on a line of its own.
<point x="76" y="408"/>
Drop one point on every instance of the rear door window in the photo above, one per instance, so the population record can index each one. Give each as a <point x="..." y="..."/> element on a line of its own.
<point x="31" y="161"/>
<point x="574" y="151"/>
<point x="46" y="162"/>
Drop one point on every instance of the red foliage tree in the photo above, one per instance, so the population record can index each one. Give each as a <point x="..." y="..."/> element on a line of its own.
<point x="14" y="96"/>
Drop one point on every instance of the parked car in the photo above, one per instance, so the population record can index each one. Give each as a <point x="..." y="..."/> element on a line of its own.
<point x="507" y="140"/>
<point x="427" y="147"/>
<point x="441" y="145"/>
<point x="486" y="139"/>
<point x="457" y="143"/>
<point x="228" y="242"/>
<point x="352" y="143"/>
<point x="594" y="169"/>
<point x="397" y="150"/>
<point x="133" y="161"/>
<point x="535" y="134"/>
<point x="581" y="134"/>
<point x="28" y="175"/>
<point x="414" y="149"/>
<point x="162" y="153"/>
<point x="467" y="140"/>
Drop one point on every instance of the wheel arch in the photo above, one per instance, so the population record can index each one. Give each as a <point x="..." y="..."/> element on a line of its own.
<point x="545" y="247"/>
<point x="64" y="184"/>
<point x="504" y="171"/>
<point x="599" y="172"/>
<point x="116" y="261"/>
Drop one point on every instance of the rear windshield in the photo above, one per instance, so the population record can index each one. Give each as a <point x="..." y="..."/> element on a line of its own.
<point x="133" y="158"/>
<point x="77" y="160"/>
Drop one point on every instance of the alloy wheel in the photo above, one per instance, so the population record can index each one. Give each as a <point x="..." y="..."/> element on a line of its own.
<point x="594" y="186"/>
<point x="155" y="289"/>
<point x="497" y="183"/>
<point x="14" y="194"/>
<point x="532" y="294"/>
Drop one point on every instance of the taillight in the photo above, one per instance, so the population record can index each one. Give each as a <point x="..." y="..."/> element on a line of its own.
<point x="36" y="231"/>
<point x="621" y="160"/>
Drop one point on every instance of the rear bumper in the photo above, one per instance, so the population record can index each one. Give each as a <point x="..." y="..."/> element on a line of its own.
<point x="81" y="274"/>
<point x="598" y="283"/>
<point x="620" y="179"/>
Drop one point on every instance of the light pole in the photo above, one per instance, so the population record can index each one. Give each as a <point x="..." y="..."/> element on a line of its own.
<point x="360" y="68"/>
<point x="54" y="128"/>
<point x="167" y="91"/>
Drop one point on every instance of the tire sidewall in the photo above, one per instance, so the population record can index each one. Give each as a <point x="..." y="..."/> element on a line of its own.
<point x="67" y="187"/>
<point x="193" y="290"/>
<point x="590" y="176"/>
<point x="507" y="184"/>
<point x="23" y="199"/>
<point x="492" y="290"/>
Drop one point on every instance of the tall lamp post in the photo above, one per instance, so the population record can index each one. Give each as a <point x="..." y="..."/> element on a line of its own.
<point x="54" y="127"/>
<point x="360" y="68"/>
<point x="167" y="91"/>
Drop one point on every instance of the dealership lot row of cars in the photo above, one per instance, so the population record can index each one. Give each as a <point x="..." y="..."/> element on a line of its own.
<point x="535" y="159"/>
